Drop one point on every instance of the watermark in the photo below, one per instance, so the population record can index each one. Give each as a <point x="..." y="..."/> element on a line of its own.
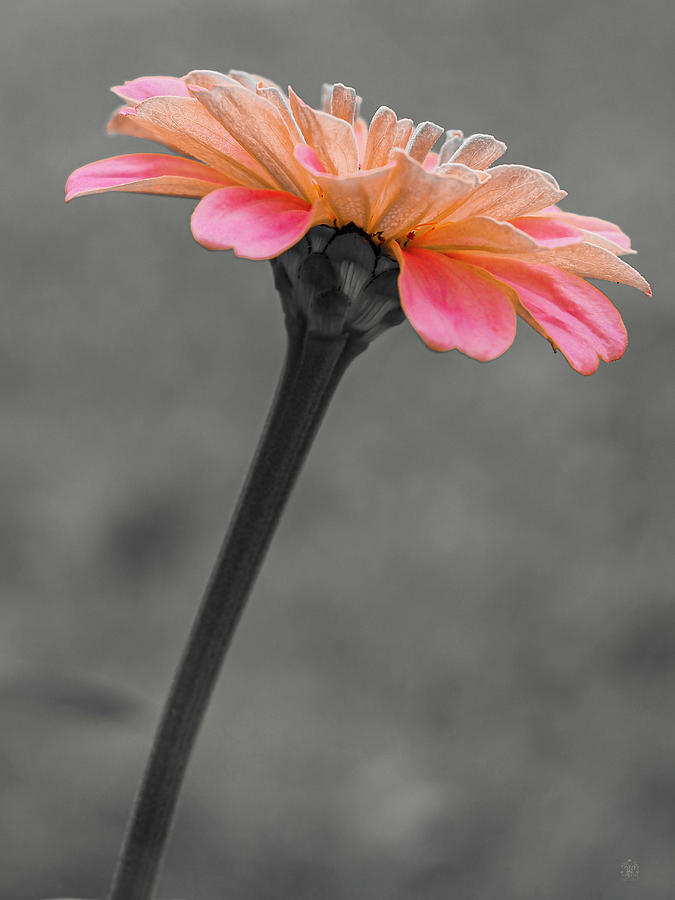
<point x="629" y="870"/>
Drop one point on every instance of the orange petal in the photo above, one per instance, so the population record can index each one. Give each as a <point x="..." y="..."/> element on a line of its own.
<point x="511" y="191"/>
<point x="259" y="127"/>
<point x="332" y="138"/>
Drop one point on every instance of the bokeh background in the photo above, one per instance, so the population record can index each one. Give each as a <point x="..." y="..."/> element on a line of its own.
<point x="456" y="675"/>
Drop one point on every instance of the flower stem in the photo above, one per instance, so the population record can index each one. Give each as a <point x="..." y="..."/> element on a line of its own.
<point x="313" y="367"/>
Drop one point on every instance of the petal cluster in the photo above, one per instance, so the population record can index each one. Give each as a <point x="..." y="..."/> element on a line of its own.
<point x="477" y="244"/>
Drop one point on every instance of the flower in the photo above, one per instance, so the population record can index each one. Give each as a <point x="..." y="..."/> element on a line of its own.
<point x="477" y="244"/>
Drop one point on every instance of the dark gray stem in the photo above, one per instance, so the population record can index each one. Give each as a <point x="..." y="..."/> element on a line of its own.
<point x="314" y="365"/>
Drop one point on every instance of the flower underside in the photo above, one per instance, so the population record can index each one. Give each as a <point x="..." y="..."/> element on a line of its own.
<point x="477" y="244"/>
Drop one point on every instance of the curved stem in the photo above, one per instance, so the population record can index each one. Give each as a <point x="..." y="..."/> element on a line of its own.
<point x="312" y="370"/>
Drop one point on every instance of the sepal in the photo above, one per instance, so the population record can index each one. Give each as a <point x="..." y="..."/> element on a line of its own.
<point x="338" y="282"/>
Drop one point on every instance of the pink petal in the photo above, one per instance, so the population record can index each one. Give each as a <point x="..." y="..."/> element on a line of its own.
<point x="255" y="224"/>
<point x="451" y="304"/>
<point x="600" y="228"/>
<point x="548" y="232"/>
<point x="145" y="173"/>
<point x="431" y="161"/>
<point x="308" y="157"/>
<point x="151" y="86"/>
<point x="576" y="315"/>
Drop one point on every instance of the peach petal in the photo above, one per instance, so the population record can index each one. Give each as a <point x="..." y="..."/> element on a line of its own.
<point x="245" y="79"/>
<point x="255" y="224"/>
<point x="402" y="131"/>
<point x="151" y="86"/>
<point x="453" y="140"/>
<point x="477" y="233"/>
<point x="259" y="127"/>
<point x="548" y="232"/>
<point x="145" y="173"/>
<point x="583" y="323"/>
<point x="207" y="79"/>
<point x="332" y="138"/>
<point x="591" y="261"/>
<point x="479" y="151"/>
<point x="361" y="135"/>
<point x="352" y="198"/>
<point x="431" y="161"/>
<point x="414" y="196"/>
<point x="250" y="80"/>
<point x="422" y="140"/>
<point x="126" y="121"/>
<point x="512" y="191"/>
<point x="611" y="236"/>
<point x="278" y="99"/>
<point x="185" y="124"/>
<point x="453" y="305"/>
<point x="380" y="138"/>
<point x="326" y="96"/>
<point x="343" y="103"/>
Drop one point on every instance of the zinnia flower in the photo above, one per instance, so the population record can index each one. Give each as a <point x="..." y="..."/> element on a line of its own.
<point x="477" y="244"/>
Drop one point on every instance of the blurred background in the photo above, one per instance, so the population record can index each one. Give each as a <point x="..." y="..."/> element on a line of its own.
<point x="456" y="674"/>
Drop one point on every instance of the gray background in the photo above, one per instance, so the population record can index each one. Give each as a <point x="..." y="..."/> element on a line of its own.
<point x="455" y="678"/>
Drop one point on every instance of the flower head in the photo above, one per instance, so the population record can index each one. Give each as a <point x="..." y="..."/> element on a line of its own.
<point x="477" y="244"/>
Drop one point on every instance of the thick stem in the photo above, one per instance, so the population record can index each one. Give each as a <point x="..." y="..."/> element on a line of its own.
<point x="313" y="368"/>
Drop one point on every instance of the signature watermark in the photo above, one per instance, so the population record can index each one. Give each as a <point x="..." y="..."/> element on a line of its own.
<point x="629" y="870"/>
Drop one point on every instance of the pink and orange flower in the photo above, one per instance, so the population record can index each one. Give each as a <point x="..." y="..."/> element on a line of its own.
<point x="477" y="244"/>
